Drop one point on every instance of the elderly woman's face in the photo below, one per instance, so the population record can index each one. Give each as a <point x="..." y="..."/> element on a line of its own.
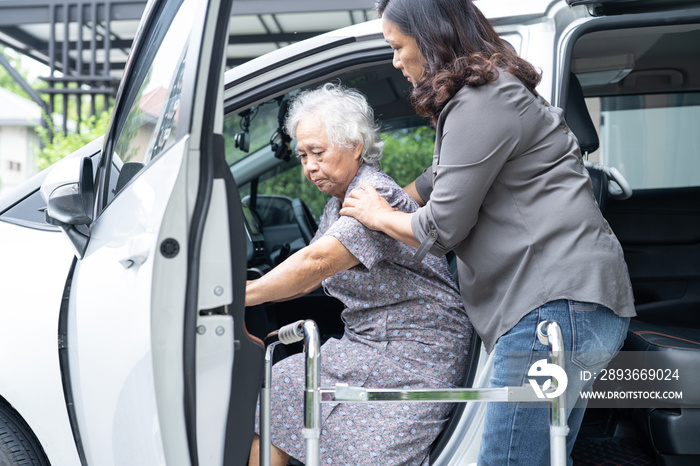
<point x="330" y="168"/>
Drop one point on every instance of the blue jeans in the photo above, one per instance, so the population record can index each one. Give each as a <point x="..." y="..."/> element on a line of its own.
<point x="518" y="433"/>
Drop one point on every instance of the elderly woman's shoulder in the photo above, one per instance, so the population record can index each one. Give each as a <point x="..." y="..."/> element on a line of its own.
<point x="373" y="174"/>
<point x="388" y="188"/>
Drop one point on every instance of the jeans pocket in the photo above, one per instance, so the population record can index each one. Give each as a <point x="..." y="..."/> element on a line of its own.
<point x="598" y="334"/>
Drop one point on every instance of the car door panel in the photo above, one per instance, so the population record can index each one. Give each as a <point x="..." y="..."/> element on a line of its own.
<point x="214" y="342"/>
<point x="151" y="319"/>
<point x="247" y="368"/>
<point x="120" y="320"/>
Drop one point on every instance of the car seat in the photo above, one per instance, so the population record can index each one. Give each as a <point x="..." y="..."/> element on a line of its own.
<point x="673" y="432"/>
<point x="580" y="123"/>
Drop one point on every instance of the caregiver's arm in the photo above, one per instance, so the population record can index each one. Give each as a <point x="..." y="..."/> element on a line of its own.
<point x="301" y="273"/>
<point x="412" y="191"/>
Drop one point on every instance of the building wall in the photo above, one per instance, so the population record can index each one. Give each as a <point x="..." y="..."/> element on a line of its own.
<point x="18" y="149"/>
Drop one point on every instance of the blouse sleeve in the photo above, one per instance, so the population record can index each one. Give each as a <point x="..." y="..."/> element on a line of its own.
<point x="333" y="205"/>
<point x="480" y="130"/>
<point x="369" y="246"/>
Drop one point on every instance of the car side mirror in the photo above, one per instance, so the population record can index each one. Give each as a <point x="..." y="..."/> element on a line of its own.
<point x="70" y="206"/>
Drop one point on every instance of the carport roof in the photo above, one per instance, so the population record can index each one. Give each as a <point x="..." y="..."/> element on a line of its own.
<point x="257" y="26"/>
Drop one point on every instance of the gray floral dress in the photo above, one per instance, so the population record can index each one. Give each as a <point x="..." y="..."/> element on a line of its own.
<point x="405" y="327"/>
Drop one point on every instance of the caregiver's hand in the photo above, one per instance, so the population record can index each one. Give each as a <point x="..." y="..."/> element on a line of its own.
<point x="373" y="211"/>
<point x="367" y="206"/>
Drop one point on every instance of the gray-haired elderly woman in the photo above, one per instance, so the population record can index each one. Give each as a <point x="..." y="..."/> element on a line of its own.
<point x="405" y="325"/>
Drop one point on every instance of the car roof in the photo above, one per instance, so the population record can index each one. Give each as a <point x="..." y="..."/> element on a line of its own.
<point x="306" y="48"/>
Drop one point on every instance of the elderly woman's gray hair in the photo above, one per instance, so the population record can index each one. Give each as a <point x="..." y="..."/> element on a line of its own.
<point x="348" y="118"/>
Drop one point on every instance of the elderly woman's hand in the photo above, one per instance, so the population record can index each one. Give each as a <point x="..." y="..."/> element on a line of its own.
<point x="367" y="206"/>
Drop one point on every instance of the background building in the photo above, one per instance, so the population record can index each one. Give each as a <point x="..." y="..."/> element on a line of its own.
<point x="18" y="139"/>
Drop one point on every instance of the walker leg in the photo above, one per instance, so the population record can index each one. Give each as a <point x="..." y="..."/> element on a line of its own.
<point x="312" y="397"/>
<point x="286" y="335"/>
<point x="549" y="333"/>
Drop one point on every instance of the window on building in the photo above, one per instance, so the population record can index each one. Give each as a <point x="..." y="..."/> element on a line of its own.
<point x="14" y="166"/>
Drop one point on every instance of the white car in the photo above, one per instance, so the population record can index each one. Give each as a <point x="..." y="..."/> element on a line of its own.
<point x="123" y="333"/>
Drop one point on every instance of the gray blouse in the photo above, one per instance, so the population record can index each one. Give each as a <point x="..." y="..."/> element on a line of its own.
<point x="509" y="194"/>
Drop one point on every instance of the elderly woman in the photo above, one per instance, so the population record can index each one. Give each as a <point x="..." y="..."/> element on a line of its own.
<point x="405" y="325"/>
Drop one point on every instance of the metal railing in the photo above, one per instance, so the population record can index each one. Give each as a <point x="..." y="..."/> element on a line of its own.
<point x="548" y="332"/>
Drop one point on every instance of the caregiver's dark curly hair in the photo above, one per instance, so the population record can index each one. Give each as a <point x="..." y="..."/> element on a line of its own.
<point x="460" y="48"/>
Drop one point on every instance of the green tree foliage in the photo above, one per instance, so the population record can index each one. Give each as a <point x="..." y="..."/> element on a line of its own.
<point x="407" y="152"/>
<point x="7" y="81"/>
<point x="52" y="151"/>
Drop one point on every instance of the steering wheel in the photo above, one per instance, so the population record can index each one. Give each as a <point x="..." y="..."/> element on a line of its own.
<point x="305" y="220"/>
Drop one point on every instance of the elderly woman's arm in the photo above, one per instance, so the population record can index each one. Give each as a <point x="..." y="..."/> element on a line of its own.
<point x="301" y="273"/>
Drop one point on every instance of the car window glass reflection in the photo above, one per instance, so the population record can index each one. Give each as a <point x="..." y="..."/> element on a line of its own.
<point x="151" y="122"/>
<point x="652" y="139"/>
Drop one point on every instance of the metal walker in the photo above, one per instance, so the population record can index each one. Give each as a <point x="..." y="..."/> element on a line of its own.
<point x="548" y="332"/>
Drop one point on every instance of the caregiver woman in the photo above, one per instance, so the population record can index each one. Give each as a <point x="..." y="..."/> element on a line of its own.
<point x="507" y="193"/>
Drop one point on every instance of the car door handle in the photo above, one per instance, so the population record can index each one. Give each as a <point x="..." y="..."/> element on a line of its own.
<point x="134" y="260"/>
<point x="137" y="251"/>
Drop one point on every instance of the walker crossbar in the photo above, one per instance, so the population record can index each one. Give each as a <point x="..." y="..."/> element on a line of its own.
<point x="342" y="393"/>
<point x="548" y="332"/>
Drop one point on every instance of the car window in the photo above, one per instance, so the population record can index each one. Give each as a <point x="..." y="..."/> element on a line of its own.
<point x="652" y="139"/>
<point x="149" y="124"/>
<point x="252" y="134"/>
<point x="252" y="130"/>
<point x="286" y="181"/>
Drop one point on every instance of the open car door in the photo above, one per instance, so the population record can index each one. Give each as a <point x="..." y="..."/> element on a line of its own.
<point x="159" y="367"/>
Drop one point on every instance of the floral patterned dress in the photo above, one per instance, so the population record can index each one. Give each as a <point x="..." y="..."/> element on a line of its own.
<point x="405" y="327"/>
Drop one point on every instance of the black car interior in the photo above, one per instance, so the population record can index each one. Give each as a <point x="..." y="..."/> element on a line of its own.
<point x="659" y="230"/>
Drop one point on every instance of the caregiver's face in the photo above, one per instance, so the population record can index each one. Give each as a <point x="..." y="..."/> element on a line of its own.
<point x="330" y="168"/>
<point x="407" y="56"/>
